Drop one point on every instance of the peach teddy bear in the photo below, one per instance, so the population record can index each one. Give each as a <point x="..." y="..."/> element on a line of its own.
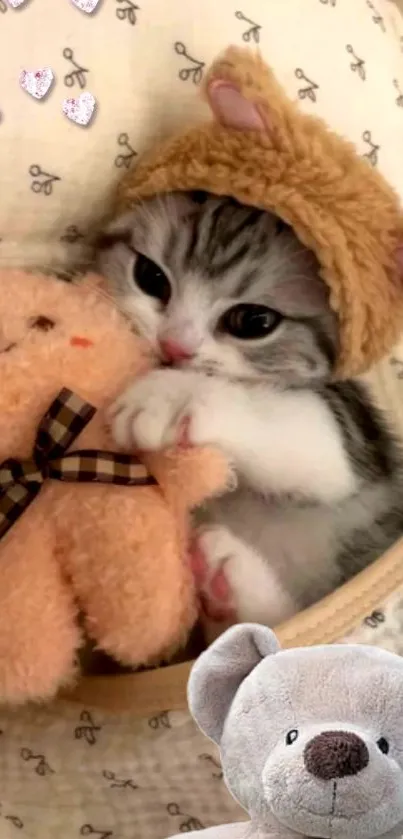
<point x="116" y="554"/>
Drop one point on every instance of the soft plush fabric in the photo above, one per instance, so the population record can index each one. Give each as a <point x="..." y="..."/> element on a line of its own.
<point x="144" y="63"/>
<point x="116" y="553"/>
<point x="263" y="151"/>
<point x="325" y="762"/>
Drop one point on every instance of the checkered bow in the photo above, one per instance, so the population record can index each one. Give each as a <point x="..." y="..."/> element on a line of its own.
<point x="21" y="480"/>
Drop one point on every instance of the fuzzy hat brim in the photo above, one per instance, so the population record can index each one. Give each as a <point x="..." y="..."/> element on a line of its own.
<point x="263" y="151"/>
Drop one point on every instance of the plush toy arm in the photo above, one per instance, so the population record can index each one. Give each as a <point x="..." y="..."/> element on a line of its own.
<point x="189" y="476"/>
<point x="240" y="830"/>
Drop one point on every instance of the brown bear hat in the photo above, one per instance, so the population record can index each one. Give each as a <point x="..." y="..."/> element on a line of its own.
<point x="263" y="151"/>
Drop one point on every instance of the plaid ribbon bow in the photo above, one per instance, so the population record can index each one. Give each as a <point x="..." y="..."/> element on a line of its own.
<point x="22" y="480"/>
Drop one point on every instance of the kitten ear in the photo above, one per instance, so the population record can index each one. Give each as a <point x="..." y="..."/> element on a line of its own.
<point x="232" y="109"/>
<point x="118" y="230"/>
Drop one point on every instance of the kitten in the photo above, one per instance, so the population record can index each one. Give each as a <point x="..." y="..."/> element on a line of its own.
<point x="234" y="305"/>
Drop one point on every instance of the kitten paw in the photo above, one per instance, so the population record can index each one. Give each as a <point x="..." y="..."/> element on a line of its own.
<point x="154" y="413"/>
<point x="213" y="586"/>
<point x="235" y="583"/>
<point x="171" y="407"/>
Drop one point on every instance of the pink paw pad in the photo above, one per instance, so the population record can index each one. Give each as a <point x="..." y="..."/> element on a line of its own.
<point x="183" y="433"/>
<point x="213" y="587"/>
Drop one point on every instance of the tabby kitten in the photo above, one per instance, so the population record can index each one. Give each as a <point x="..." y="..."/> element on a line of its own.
<point x="234" y="306"/>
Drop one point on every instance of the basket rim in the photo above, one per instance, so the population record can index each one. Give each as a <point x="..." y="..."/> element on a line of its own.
<point x="329" y="620"/>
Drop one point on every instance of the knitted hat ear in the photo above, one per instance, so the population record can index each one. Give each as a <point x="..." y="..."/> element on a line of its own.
<point x="244" y="94"/>
<point x="231" y="109"/>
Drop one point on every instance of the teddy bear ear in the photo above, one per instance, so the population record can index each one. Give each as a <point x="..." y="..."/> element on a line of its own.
<point x="221" y="669"/>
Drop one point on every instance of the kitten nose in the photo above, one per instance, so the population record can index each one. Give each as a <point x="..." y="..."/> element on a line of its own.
<point x="335" y="754"/>
<point x="173" y="350"/>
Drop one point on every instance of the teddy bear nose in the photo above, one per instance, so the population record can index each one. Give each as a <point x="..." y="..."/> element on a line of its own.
<point x="335" y="754"/>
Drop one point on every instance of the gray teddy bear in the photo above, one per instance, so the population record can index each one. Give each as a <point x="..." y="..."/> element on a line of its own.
<point x="311" y="739"/>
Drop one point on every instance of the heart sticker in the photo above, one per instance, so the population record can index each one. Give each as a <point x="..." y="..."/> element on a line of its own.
<point x="15" y="3"/>
<point x="37" y="82"/>
<point x="88" y="6"/>
<point x="80" y="110"/>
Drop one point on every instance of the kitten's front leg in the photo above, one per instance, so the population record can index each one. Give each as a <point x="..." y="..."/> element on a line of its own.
<point x="281" y="442"/>
<point x="234" y="582"/>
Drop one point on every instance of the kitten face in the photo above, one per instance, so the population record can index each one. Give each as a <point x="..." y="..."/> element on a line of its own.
<point x="230" y="285"/>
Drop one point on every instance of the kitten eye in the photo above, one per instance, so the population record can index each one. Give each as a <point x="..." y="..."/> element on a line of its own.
<point x="151" y="279"/>
<point x="291" y="737"/>
<point x="42" y="323"/>
<point x="249" y="321"/>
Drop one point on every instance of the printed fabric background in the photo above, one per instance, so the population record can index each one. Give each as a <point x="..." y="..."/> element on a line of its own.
<point x="137" y="66"/>
<point x="68" y="771"/>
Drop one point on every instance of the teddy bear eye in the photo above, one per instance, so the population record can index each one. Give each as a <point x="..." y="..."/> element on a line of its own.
<point x="291" y="737"/>
<point x="42" y="323"/>
<point x="383" y="745"/>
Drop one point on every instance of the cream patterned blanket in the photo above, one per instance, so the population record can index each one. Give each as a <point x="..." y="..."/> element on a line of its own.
<point x="69" y="770"/>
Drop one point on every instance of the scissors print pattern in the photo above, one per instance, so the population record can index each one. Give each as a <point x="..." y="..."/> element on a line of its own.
<point x="372" y="153"/>
<point x="160" y="721"/>
<point x="13" y="819"/>
<point x="125" y="158"/>
<point x="211" y="761"/>
<point x="187" y="822"/>
<point x="87" y="730"/>
<point x="40" y="765"/>
<point x="375" y="618"/>
<point x="308" y="88"/>
<point x="194" y="69"/>
<point x="72" y="235"/>
<point x="399" y="97"/>
<point x="78" y="73"/>
<point x="127" y="11"/>
<point x="252" y="31"/>
<point x="376" y="16"/>
<point x="118" y="783"/>
<point x="42" y="182"/>
<point x="357" y="65"/>
<point x="97" y="833"/>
